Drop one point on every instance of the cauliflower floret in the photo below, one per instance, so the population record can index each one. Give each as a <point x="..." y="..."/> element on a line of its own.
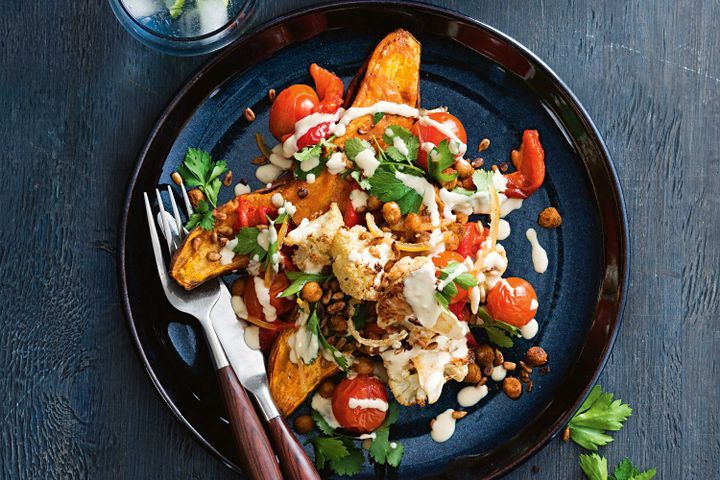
<point x="313" y="239"/>
<point x="359" y="261"/>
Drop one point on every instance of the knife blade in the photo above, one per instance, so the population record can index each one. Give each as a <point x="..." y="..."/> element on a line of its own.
<point x="249" y="366"/>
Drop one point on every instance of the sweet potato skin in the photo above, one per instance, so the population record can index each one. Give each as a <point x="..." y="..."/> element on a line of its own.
<point x="291" y="383"/>
<point x="190" y="265"/>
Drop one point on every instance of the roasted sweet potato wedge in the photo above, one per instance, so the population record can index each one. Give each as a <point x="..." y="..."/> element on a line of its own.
<point x="190" y="266"/>
<point x="392" y="74"/>
<point x="291" y="383"/>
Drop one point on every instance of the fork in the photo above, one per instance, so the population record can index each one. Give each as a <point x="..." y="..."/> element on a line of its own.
<point x="256" y="454"/>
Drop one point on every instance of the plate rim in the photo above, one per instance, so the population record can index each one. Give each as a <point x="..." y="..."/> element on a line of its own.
<point x="619" y="211"/>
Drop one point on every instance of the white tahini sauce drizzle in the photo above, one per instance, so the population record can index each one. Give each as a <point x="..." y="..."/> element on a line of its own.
<point x="376" y="403"/>
<point x="539" y="255"/>
<point x="530" y="329"/>
<point x="498" y="373"/>
<point x="503" y="229"/>
<point x="310" y="178"/>
<point x="367" y="162"/>
<point x="241" y="189"/>
<point x="263" y="296"/>
<point x="470" y="396"/>
<point x="238" y="306"/>
<point x="268" y="173"/>
<point x="474" y="299"/>
<point x="324" y="407"/>
<point x="457" y="147"/>
<point x="399" y="143"/>
<point x="389" y="108"/>
<point x="359" y="199"/>
<point x="252" y="336"/>
<point x="419" y="292"/>
<point x="459" y="270"/>
<point x="227" y="253"/>
<point x="443" y="427"/>
<point x="277" y="200"/>
<point x="303" y="125"/>
<point x="336" y="163"/>
<point x="303" y="343"/>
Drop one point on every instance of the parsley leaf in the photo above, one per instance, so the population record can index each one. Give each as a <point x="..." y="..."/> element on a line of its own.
<point x="598" y="413"/>
<point x="377" y="116"/>
<point x="247" y="244"/>
<point x="627" y="471"/>
<point x="353" y="146"/>
<point x="299" y="279"/>
<point x="382" y="449"/>
<point x="203" y="216"/>
<point x="594" y="466"/>
<point x="199" y="170"/>
<point x="322" y="424"/>
<point x="411" y="142"/>
<point x="498" y="333"/>
<point x="439" y="159"/>
<point x="388" y="188"/>
<point x="328" y="449"/>
<point x="351" y="463"/>
<point x="318" y="152"/>
<point x="363" y="182"/>
<point x="176" y="8"/>
<point x="483" y="179"/>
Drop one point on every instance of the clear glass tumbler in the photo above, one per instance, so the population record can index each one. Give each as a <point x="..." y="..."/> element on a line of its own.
<point x="184" y="27"/>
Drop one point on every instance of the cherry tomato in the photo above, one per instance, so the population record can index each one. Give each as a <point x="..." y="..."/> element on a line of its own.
<point x="329" y="88"/>
<point x="472" y="240"/>
<point x="530" y="164"/>
<point x="427" y="133"/>
<point x="461" y="310"/>
<point x="292" y="104"/>
<point x="512" y="300"/>
<point x="442" y="261"/>
<point x="282" y="305"/>
<point x="314" y="135"/>
<point x="249" y="215"/>
<point x="358" y="420"/>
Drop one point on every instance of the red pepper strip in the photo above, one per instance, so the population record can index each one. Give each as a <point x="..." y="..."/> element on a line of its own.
<point x="314" y="135"/>
<point x="472" y="240"/>
<point x="530" y="164"/>
<point x="249" y="215"/>
<point x="329" y="88"/>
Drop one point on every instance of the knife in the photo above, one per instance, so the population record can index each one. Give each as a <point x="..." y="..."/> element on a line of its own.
<point x="249" y="366"/>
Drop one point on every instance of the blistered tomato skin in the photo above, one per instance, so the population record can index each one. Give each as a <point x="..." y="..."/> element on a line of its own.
<point x="427" y="133"/>
<point x="358" y="420"/>
<point x="292" y="104"/>
<point x="513" y="301"/>
<point x="529" y="161"/>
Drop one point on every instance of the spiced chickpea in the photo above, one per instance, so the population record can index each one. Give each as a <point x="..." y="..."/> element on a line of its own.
<point x="484" y="355"/>
<point x="549" y="218"/>
<point x="413" y="222"/>
<point x="326" y="389"/>
<point x="452" y="241"/>
<point x="196" y="196"/>
<point x="536" y="357"/>
<point x="364" y="366"/>
<point x="373" y="203"/>
<point x="304" y="424"/>
<point x="473" y="374"/>
<point x="464" y="169"/>
<point x="467" y="183"/>
<point x="391" y="213"/>
<point x="512" y="387"/>
<point x="311" y="292"/>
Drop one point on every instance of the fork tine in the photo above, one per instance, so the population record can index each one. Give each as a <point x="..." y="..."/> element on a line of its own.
<point x="176" y="214"/>
<point x="188" y="206"/>
<point x="165" y="224"/>
<point x="157" y="249"/>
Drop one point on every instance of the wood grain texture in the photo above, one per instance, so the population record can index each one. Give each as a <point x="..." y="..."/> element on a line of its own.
<point x="80" y="96"/>
<point x="294" y="462"/>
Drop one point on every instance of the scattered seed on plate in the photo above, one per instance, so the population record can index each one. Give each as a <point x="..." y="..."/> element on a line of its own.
<point x="484" y="144"/>
<point x="271" y="95"/>
<point x="176" y="178"/>
<point x="249" y="114"/>
<point x="228" y="178"/>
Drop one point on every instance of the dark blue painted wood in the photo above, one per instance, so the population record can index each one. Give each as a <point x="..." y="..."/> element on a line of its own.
<point x="79" y="97"/>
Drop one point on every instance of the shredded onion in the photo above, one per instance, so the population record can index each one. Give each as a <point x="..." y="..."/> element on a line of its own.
<point x="372" y="226"/>
<point x="260" y="323"/>
<point x="386" y="342"/>
<point x="282" y="233"/>
<point x="491" y="240"/>
<point x="412" y="247"/>
<point x="261" y="145"/>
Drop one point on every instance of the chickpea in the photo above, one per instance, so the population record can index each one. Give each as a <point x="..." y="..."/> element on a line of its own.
<point x="196" y="196"/>
<point x="373" y="203"/>
<point x="413" y="222"/>
<point x="467" y="183"/>
<point x="304" y="424"/>
<point x="311" y="292"/>
<point x="237" y="287"/>
<point x="464" y="169"/>
<point x="512" y="387"/>
<point x="484" y="355"/>
<point x="536" y="357"/>
<point x="391" y="213"/>
<point x="473" y="375"/>
<point x="452" y="241"/>
<point x="549" y="218"/>
<point x="364" y="366"/>
<point x="326" y="389"/>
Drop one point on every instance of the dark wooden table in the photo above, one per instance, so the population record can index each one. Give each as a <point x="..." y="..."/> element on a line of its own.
<point x="78" y="97"/>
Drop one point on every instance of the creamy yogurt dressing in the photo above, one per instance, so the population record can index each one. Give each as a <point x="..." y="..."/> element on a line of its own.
<point x="252" y="336"/>
<point x="470" y="396"/>
<point x="399" y="143"/>
<point x="268" y="173"/>
<point x="539" y="255"/>
<point x="388" y="108"/>
<point x="367" y="162"/>
<point x="336" y="163"/>
<point x="304" y="344"/>
<point x="503" y="229"/>
<point x="462" y="268"/>
<point x="241" y="189"/>
<point x="376" y="403"/>
<point x="456" y="146"/>
<point x="425" y="190"/>
<point x="443" y="427"/>
<point x="419" y="292"/>
<point x="358" y="199"/>
<point x="530" y="329"/>
<point x="324" y="407"/>
<point x="227" y="253"/>
<point x="263" y="296"/>
<point x="498" y="373"/>
<point x="238" y="306"/>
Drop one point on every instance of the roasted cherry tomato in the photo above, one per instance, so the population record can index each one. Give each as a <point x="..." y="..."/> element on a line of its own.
<point x="249" y="215"/>
<point x="329" y="88"/>
<point x="461" y="310"/>
<point x="472" y="240"/>
<point x="427" y="133"/>
<point x="314" y="135"/>
<point x="512" y="300"/>
<point x="442" y="261"/>
<point x="359" y="419"/>
<point x="292" y="104"/>
<point x="282" y="305"/>
<point x="530" y="164"/>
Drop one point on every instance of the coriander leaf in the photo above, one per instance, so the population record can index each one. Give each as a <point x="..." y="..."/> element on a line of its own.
<point x="596" y="415"/>
<point x="392" y="414"/>
<point x="463" y="191"/>
<point x="394" y="455"/>
<point x="646" y="475"/>
<point x="627" y="471"/>
<point x="442" y="301"/>
<point x="377" y="116"/>
<point x="353" y="146"/>
<point x="380" y="445"/>
<point x="439" y="159"/>
<point x="322" y="424"/>
<point x="363" y="182"/>
<point x="299" y="279"/>
<point x="351" y="463"/>
<point x="388" y="188"/>
<point x="328" y="449"/>
<point x="410" y="141"/>
<point x="594" y="466"/>
<point x="498" y="337"/>
<point x="247" y="244"/>
<point x="483" y="179"/>
<point x="203" y="216"/>
<point x="199" y="170"/>
<point x="176" y="8"/>
<point x="313" y="151"/>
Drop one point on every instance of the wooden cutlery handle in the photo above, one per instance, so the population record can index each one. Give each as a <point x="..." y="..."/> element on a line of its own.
<point x="294" y="462"/>
<point x="256" y="454"/>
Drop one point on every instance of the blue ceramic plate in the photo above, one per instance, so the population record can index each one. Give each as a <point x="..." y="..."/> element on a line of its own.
<point x="497" y="88"/>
